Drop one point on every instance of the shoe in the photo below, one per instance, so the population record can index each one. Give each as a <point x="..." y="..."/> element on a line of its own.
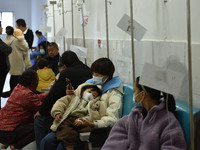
<point x="6" y="94"/>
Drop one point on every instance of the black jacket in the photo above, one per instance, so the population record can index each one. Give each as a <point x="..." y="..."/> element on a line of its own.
<point x="29" y="38"/>
<point x="53" y="62"/>
<point x="5" y="50"/>
<point x="78" y="73"/>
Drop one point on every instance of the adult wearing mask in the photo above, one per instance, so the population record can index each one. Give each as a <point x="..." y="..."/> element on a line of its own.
<point x="5" y="50"/>
<point x="77" y="73"/>
<point x="112" y="96"/>
<point x="151" y="124"/>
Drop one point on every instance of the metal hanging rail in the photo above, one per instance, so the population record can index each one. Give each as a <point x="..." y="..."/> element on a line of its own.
<point x="107" y="32"/>
<point x="132" y="40"/>
<point x="63" y="15"/>
<point x="72" y="9"/>
<point x="190" y="74"/>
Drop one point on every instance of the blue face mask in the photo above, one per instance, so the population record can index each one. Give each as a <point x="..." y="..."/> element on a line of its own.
<point x="42" y="51"/>
<point x="139" y="103"/>
<point x="98" y="80"/>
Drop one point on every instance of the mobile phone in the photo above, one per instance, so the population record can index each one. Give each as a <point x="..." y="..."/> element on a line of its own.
<point x="68" y="82"/>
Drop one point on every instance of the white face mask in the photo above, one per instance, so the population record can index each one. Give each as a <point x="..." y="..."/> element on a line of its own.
<point x="98" y="80"/>
<point x="87" y="96"/>
<point x="42" y="51"/>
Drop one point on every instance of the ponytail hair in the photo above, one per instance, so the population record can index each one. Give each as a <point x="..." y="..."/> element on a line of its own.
<point x="157" y="95"/>
<point x="169" y="102"/>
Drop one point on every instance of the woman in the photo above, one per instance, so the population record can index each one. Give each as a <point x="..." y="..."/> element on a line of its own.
<point x="36" y="55"/>
<point x="17" y="62"/>
<point x="150" y="125"/>
<point x="112" y="93"/>
<point x="16" y="125"/>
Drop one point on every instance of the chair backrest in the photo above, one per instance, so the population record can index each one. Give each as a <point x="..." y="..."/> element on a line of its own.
<point x="183" y="115"/>
<point x="182" y="110"/>
<point x="128" y="99"/>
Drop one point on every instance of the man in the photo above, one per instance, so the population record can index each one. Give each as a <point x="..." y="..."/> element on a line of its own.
<point x="5" y="50"/>
<point x="28" y="33"/>
<point x="53" y="56"/>
<point x="41" y="38"/>
<point x="77" y="73"/>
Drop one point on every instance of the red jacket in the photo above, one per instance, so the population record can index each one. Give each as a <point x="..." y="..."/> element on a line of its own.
<point x="20" y="108"/>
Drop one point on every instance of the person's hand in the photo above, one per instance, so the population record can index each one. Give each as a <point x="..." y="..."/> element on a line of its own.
<point x="78" y="122"/>
<point x="58" y="118"/>
<point x="69" y="90"/>
<point x="83" y="122"/>
<point x="37" y="114"/>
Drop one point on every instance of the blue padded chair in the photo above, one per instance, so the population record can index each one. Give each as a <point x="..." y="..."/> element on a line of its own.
<point x="183" y="115"/>
<point x="128" y="101"/>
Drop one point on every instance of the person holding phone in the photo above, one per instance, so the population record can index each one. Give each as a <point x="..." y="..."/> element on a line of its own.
<point x="77" y="73"/>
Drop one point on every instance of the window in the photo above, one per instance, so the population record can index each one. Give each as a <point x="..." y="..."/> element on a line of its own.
<point x="7" y="19"/>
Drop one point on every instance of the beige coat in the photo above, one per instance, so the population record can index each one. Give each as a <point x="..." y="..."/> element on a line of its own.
<point x="19" y="45"/>
<point x="73" y="105"/>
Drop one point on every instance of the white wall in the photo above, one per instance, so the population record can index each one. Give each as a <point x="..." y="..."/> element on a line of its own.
<point x="30" y="10"/>
<point x="37" y="16"/>
<point x="21" y="9"/>
<point x="164" y="42"/>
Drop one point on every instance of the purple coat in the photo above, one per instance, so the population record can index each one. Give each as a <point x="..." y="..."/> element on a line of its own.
<point x="159" y="130"/>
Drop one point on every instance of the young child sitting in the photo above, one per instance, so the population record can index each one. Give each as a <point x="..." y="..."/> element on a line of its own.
<point x="46" y="75"/>
<point x="70" y="112"/>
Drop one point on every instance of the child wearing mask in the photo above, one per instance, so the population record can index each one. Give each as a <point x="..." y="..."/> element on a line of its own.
<point x="70" y="110"/>
<point x="46" y="75"/>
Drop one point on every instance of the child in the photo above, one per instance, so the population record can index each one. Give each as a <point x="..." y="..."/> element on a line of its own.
<point x="70" y="110"/>
<point x="46" y="75"/>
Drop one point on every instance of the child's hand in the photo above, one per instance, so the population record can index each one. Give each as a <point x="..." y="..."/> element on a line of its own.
<point x="69" y="90"/>
<point x="78" y="122"/>
<point x="58" y="118"/>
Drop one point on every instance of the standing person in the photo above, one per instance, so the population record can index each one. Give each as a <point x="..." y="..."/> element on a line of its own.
<point x="77" y="73"/>
<point x="151" y="124"/>
<point x="112" y="95"/>
<point x="16" y="58"/>
<point x="28" y="33"/>
<point x="16" y="125"/>
<point x="53" y="56"/>
<point x="5" y="50"/>
<point x="41" y="38"/>
<point x="29" y="37"/>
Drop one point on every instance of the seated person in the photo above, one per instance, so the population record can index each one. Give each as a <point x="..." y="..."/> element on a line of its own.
<point x="16" y="125"/>
<point x="45" y="74"/>
<point x="112" y="95"/>
<point x="70" y="110"/>
<point x="40" y="53"/>
<point x="151" y="124"/>
<point x="53" y="56"/>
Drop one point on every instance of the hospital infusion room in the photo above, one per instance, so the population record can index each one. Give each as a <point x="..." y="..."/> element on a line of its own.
<point x="99" y="75"/>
